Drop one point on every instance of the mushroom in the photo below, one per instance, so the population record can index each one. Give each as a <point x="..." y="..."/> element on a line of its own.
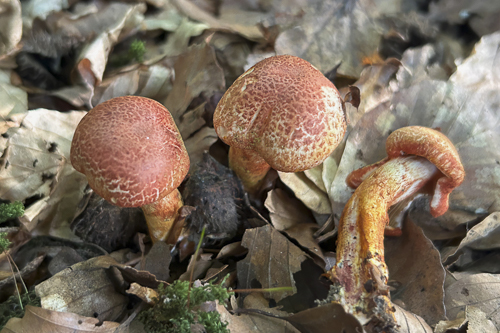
<point x="419" y="159"/>
<point x="132" y="154"/>
<point x="282" y="113"/>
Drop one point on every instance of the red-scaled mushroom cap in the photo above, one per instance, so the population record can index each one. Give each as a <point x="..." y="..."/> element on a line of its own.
<point x="284" y="109"/>
<point x="130" y="150"/>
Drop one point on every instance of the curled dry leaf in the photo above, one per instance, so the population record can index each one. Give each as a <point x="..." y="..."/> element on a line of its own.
<point x="85" y="289"/>
<point x="270" y="263"/>
<point x="310" y="194"/>
<point x="483" y="236"/>
<point x="414" y="263"/>
<point x="35" y="164"/>
<point x="479" y="290"/>
<point x="46" y="321"/>
<point x="11" y="26"/>
<point x="199" y="143"/>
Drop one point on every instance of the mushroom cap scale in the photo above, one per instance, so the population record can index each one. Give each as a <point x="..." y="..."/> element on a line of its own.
<point x="284" y="109"/>
<point x="130" y="150"/>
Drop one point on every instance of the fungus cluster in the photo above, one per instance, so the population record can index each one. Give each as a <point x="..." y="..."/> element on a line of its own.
<point x="132" y="154"/>
<point x="418" y="159"/>
<point x="282" y="113"/>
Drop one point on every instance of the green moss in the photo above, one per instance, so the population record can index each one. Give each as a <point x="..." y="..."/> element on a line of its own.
<point x="11" y="307"/>
<point x="174" y="313"/>
<point x="11" y="211"/>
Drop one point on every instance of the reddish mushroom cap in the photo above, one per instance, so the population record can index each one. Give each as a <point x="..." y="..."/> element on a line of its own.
<point x="130" y="150"/>
<point x="284" y="109"/>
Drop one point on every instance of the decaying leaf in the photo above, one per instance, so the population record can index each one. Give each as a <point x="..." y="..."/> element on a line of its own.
<point x="285" y="212"/>
<point x="410" y="323"/>
<point x="196" y="72"/>
<point x="199" y="143"/>
<point x="14" y="103"/>
<point x="47" y="321"/>
<point x="270" y="262"/>
<point x="333" y="32"/>
<point x="414" y="263"/>
<point x="35" y="166"/>
<point x="253" y="322"/>
<point x="11" y="26"/>
<point x="483" y="236"/>
<point x="479" y="290"/>
<point x="311" y="195"/>
<point x="85" y="289"/>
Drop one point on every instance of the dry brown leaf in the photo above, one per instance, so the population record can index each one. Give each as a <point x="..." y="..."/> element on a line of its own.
<point x="36" y="165"/>
<point x="284" y="211"/>
<point x="14" y="104"/>
<point x="11" y="26"/>
<point x="410" y="323"/>
<point x="253" y="322"/>
<point x="310" y="194"/>
<point x="196" y="72"/>
<point x="479" y="290"/>
<point x="199" y="143"/>
<point x="483" y="236"/>
<point x="303" y="233"/>
<point x="85" y="289"/>
<point x="45" y="321"/>
<point x="246" y="25"/>
<point x="481" y="16"/>
<point x="271" y="262"/>
<point x="334" y="32"/>
<point x="415" y="264"/>
<point x="330" y="318"/>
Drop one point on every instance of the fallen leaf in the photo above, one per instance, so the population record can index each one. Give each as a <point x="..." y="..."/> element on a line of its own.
<point x="253" y="322"/>
<point x="47" y="321"/>
<point x="199" y="143"/>
<point x="270" y="263"/>
<point x="311" y="195"/>
<point x="479" y="290"/>
<point x="410" y="323"/>
<point x="415" y="264"/>
<point x="11" y="26"/>
<point x="483" y="236"/>
<point x="333" y="32"/>
<point x="36" y="165"/>
<point x="284" y="211"/>
<point x="481" y="16"/>
<point x="196" y="72"/>
<point x="330" y="318"/>
<point x="14" y="103"/>
<point x="85" y="289"/>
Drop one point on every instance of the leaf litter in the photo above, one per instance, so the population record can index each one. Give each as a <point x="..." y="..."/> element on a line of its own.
<point x="57" y="60"/>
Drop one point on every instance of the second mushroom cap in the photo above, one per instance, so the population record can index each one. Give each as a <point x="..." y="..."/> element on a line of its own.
<point x="285" y="110"/>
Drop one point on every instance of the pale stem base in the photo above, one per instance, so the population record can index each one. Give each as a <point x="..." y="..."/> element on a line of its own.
<point x="161" y="215"/>
<point x="249" y="167"/>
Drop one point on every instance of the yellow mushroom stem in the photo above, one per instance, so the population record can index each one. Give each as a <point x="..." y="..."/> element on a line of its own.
<point x="249" y="167"/>
<point x="360" y="272"/>
<point x="162" y="214"/>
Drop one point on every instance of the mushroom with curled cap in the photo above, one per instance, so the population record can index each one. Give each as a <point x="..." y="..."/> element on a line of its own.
<point x="419" y="159"/>
<point x="132" y="154"/>
<point x="282" y="113"/>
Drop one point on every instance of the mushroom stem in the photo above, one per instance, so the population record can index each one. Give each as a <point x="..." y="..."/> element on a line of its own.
<point x="161" y="215"/>
<point x="360" y="271"/>
<point x="249" y="167"/>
